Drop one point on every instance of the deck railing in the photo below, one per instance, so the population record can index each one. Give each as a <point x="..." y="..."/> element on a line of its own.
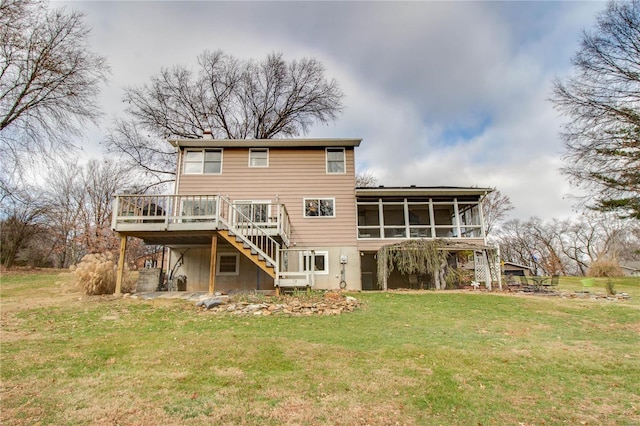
<point x="141" y="213"/>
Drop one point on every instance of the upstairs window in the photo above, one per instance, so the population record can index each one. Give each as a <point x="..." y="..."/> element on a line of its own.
<point x="201" y="161"/>
<point x="335" y="160"/>
<point x="319" y="207"/>
<point x="258" y="157"/>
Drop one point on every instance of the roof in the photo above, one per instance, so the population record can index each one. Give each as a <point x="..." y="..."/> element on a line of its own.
<point x="631" y="265"/>
<point x="264" y="143"/>
<point x="517" y="265"/>
<point x="421" y="191"/>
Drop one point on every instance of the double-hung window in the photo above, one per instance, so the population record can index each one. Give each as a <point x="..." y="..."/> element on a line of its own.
<point x="259" y="157"/>
<point x="319" y="207"/>
<point x="335" y="160"/>
<point x="201" y="161"/>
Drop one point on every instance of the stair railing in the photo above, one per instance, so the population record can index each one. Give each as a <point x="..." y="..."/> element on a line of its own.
<point x="249" y="232"/>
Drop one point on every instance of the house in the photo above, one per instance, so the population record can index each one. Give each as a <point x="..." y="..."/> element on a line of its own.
<point x="515" y="269"/>
<point x="270" y="214"/>
<point x="630" y="268"/>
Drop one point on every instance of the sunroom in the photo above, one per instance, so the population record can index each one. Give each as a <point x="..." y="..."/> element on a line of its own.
<point x="420" y="212"/>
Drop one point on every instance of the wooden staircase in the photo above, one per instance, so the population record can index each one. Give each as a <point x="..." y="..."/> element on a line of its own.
<point x="251" y="253"/>
<point x="249" y="238"/>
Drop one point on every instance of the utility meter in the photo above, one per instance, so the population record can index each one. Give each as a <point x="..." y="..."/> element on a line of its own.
<point x="343" y="258"/>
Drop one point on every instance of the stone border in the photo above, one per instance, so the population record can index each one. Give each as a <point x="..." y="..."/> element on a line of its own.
<point x="329" y="304"/>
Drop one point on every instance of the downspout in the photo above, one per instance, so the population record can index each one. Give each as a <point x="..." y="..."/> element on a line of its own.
<point x="174" y="204"/>
<point x="178" y="167"/>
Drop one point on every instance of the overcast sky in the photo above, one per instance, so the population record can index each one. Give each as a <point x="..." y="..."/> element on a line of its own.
<point x="442" y="93"/>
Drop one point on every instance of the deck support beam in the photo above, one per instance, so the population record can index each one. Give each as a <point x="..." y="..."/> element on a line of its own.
<point x="120" y="274"/>
<point x="212" y="268"/>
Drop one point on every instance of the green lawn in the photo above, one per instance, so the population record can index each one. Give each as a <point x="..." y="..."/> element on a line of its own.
<point x="438" y="358"/>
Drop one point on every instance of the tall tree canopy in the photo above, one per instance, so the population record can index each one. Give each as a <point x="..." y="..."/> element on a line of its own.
<point x="235" y="99"/>
<point x="602" y="102"/>
<point x="49" y="77"/>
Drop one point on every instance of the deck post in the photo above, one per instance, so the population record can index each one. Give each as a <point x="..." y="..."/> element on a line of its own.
<point x="212" y="268"/>
<point x="120" y="274"/>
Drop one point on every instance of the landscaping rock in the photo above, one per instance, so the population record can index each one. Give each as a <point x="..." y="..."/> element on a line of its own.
<point x="211" y="302"/>
<point x="321" y="304"/>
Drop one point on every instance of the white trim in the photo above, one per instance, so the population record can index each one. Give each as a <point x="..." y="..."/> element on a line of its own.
<point x="236" y="255"/>
<point x="320" y="253"/>
<point x="258" y="150"/>
<point x="344" y="161"/>
<point x="202" y="162"/>
<point x="304" y="207"/>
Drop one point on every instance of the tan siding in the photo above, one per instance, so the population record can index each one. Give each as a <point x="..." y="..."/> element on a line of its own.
<point x="293" y="174"/>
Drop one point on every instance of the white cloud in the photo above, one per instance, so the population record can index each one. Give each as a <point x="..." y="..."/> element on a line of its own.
<point x="442" y="93"/>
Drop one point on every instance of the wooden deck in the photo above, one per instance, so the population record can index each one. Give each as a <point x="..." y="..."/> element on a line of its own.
<point x="188" y="217"/>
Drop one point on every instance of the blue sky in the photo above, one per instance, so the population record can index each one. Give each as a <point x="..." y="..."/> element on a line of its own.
<point x="442" y="93"/>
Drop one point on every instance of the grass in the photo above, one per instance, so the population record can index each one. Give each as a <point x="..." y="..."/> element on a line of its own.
<point x="404" y="358"/>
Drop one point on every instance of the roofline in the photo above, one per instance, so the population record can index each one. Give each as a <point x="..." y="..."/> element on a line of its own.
<point x="422" y="191"/>
<point x="518" y="265"/>
<point x="264" y="143"/>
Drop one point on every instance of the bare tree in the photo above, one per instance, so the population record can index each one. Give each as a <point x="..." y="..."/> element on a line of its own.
<point x="568" y="247"/>
<point x="233" y="98"/>
<point x="22" y="219"/>
<point x="66" y="216"/>
<point x="602" y="102"/>
<point x="101" y="181"/>
<point x="49" y="77"/>
<point x="65" y="197"/>
<point x="495" y="207"/>
<point x="366" y="179"/>
<point x="150" y="155"/>
<point x="517" y="244"/>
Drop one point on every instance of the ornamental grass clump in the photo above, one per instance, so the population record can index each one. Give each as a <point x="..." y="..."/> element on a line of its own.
<point x="96" y="274"/>
<point x="605" y="267"/>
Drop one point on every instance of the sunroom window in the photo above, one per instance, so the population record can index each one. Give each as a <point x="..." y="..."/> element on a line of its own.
<point x="419" y="218"/>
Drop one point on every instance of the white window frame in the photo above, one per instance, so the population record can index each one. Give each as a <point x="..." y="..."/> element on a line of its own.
<point x="344" y="161"/>
<point x="324" y="254"/>
<point x="252" y="150"/>
<point x="318" y="199"/>
<point x="201" y="162"/>
<point x="237" y="269"/>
